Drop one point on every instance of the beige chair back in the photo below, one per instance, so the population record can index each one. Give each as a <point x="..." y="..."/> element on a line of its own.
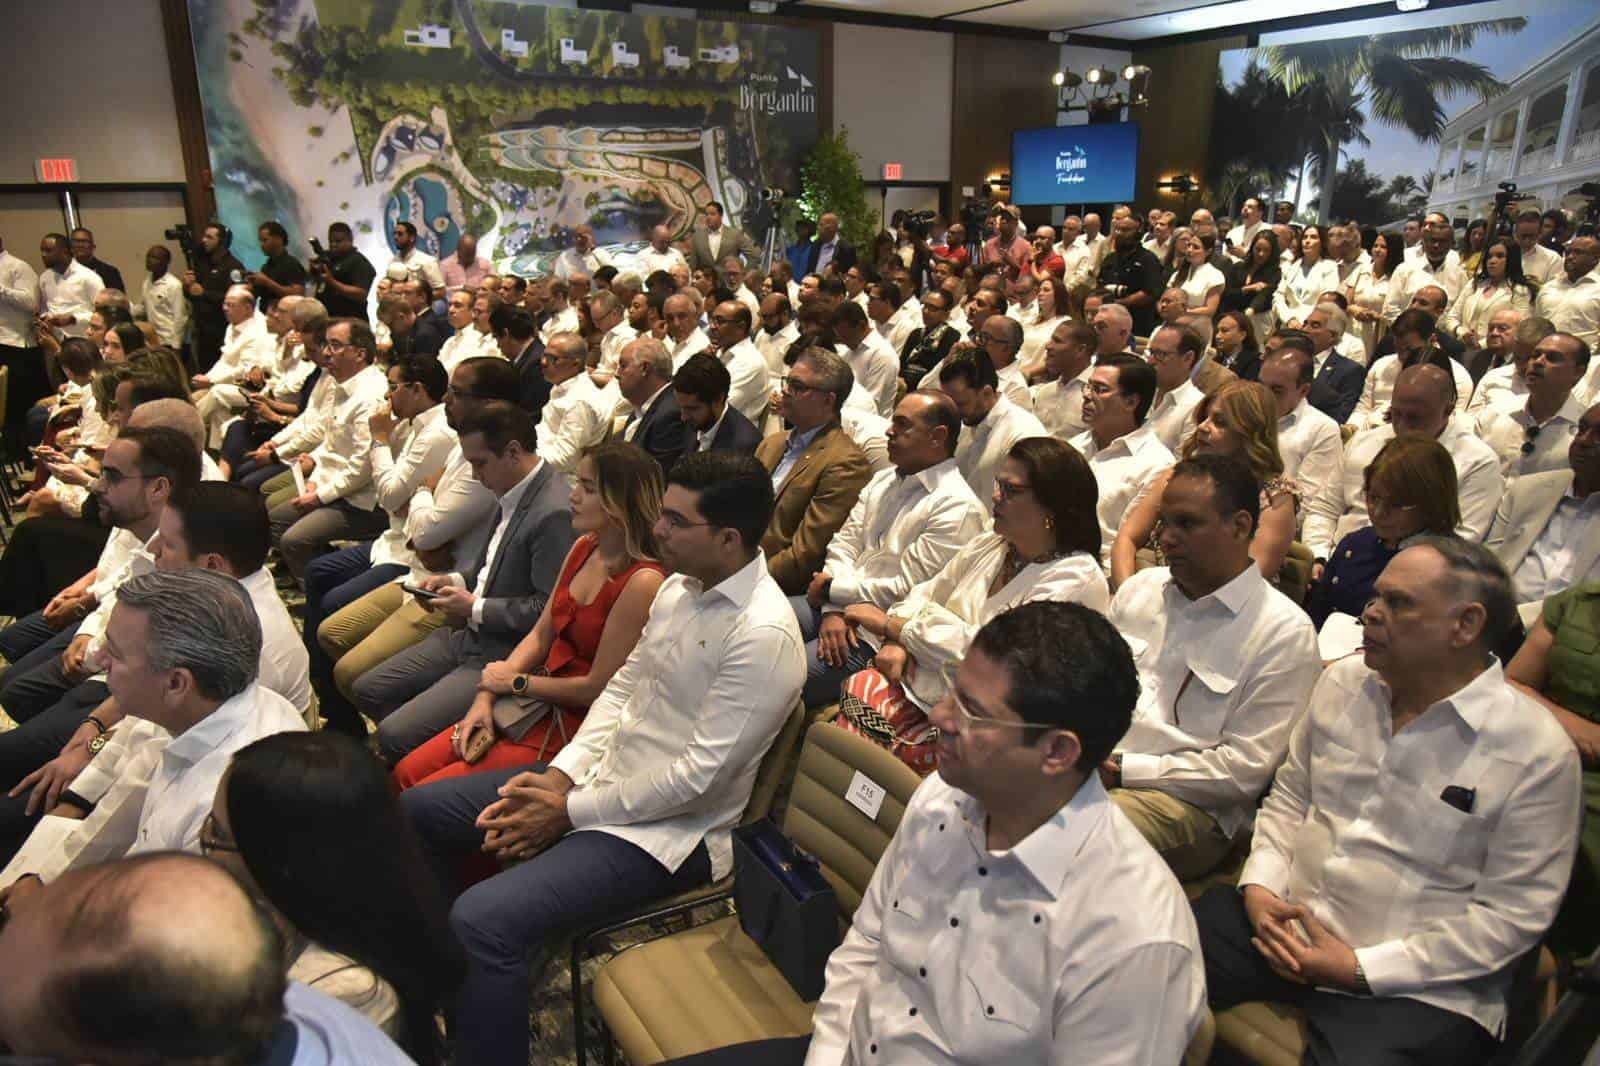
<point x="822" y="822"/>
<point x="775" y="766"/>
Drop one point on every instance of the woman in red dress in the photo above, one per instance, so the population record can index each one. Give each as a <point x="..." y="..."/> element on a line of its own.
<point x="587" y="629"/>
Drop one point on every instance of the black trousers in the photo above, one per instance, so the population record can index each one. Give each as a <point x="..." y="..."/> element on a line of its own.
<point x="28" y="747"/>
<point x="36" y="682"/>
<point x="28" y="384"/>
<point x="1340" y="1030"/>
<point x="44" y="556"/>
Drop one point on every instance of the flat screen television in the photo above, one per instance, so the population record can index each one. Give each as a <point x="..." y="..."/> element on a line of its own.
<point x="1074" y="164"/>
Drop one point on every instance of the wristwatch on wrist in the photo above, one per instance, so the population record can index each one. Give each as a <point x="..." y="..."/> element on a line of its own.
<point x="519" y="684"/>
<point x="98" y="743"/>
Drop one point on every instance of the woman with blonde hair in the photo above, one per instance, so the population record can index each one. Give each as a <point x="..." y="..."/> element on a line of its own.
<point x="1240" y="419"/>
<point x="530" y="703"/>
<point x="1411" y="491"/>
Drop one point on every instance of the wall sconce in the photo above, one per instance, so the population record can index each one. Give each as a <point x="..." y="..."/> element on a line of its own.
<point x="1182" y="184"/>
<point x="1100" y="96"/>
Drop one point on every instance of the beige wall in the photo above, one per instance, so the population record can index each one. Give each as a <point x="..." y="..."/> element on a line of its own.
<point x="892" y="88"/>
<point x="124" y="225"/>
<point x="93" y="83"/>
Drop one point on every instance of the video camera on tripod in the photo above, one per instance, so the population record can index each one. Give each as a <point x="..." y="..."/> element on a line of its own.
<point x="1583" y="207"/>
<point x="1505" y="214"/>
<point x="762" y="217"/>
<point x="183" y="233"/>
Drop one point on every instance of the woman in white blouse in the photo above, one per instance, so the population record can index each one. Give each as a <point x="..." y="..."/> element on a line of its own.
<point x="1369" y="288"/>
<point x="1304" y="280"/>
<point x="1202" y="283"/>
<point x="1498" y="286"/>
<point x="1052" y="302"/>
<point x="1045" y="546"/>
<point x="308" y="824"/>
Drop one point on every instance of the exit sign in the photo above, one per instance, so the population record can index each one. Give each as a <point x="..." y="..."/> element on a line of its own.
<point x="892" y="171"/>
<point x="56" y="171"/>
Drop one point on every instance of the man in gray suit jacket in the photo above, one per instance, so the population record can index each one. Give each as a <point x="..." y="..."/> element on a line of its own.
<point x="490" y="607"/>
<point x="1547" y="528"/>
<point x="727" y="240"/>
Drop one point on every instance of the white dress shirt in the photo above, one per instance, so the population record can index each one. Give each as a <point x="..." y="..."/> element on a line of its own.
<point x="1300" y="287"/>
<point x="1574" y="306"/>
<point x="1377" y="392"/>
<point x="123" y="556"/>
<point x="695" y="343"/>
<point x="1199" y="284"/>
<point x="1014" y="384"/>
<point x="983" y="447"/>
<point x="1221" y="680"/>
<point x="165" y="305"/>
<point x="1058" y="405"/>
<point x="1122" y="470"/>
<point x="343" y="468"/>
<point x="943" y="614"/>
<point x="902" y="531"/>
<point x="1551" y="565"/>
<point x="19" y="302"/>
<point x="1477" y="303"/>
<point x="576" y="417"/>
<point x="1172" y="415"/>
<point x="245" y="347"/>
<point x="69" y="292"/>
<point x="868" y="429"/>
<point x="1241" y="235"/>
<point x="905" y="321"/>
<point x="310" y="426"/>
<point x="1034" y="338"/>
<point x="1418" y="273"/>
<point x="1352" y="347"/>
<point x="667" y="755"/>
<point x="1502" y="388"/>
<point x="931" y="971"/>
<point x="649" y="261"/>
<point x="563" y="321"/>
<point x="1541" y="264"/>
<point x="420" y="264"/>
<point x="774" y="346"/>
<point x="466" y="344"/>
<point x="1439" y="903"/>
<point x="612" y="342"/>
<point x="418" y="449"/>
<point x="456" y="512"/>
<point x="747" y="374"/>
<point x="1311" y="447"/>
<point x="1507" y="433"/>
<point x="1339" y="508"/>
<point x="571" y="261"/>
<point x="1369" y="292"/>
<point x="877" y="369"/>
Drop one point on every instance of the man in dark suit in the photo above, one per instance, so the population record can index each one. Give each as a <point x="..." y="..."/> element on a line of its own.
<point x="429" y="315"/>
<point x="714" y="241"/>
<point x="713" y="425"/>
<point x="492" y="606"/>
<point x="644" y="374"/>
<point x="518" y="338"/>
<point x="829" y="249"/>
<point x="1336" y="388"/>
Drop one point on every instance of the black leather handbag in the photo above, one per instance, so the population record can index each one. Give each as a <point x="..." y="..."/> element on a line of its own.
<point x="785" y="905"/>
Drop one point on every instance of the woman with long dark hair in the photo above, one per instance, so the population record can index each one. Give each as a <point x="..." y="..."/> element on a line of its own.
<point x="1235" y="343"/>
<point x="1499" y="285"/>
<point x="1369" y="287"/>
<point x="1253" y="281"/>
<point x="310" y="826"/>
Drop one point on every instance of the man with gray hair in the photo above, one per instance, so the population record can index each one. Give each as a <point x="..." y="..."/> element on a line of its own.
<point x="1417" y="840"/>
<point x="1114" y="326"/>
<point x="644" y="376"/>
<point x="246" y="344"/>
<point x="1504" y="386"/>
<point x="182" y="656"/>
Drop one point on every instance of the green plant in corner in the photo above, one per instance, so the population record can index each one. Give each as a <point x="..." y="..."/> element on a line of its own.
<point x="830" y="180"/>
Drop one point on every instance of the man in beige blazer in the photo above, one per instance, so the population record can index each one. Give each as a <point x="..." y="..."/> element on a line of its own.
<point x="817" y="470"/>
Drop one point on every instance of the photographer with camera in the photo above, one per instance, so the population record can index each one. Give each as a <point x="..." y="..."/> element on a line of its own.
<point x="282" y="274"/>
<point x="341" y="275"/>
<point x="212" y="271"/>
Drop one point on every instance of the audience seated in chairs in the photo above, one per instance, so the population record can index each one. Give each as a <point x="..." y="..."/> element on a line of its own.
<point x="309" y="825"/>
<point x="1240" y="421"/>
<point x="1410" y="489"/>
<point x="1123" y="452"/>
<point x="1044" y="546"/>
<point x="1225" y="665"/>
<point x="992" y="422"/>
<point x="905" y="526"/>
<point x="1416" y="841"/>
<point x="529" y="704"/>
<point x="640" y="803"/>
<point x="656" y="424"/>
<point x="710" y="422"/>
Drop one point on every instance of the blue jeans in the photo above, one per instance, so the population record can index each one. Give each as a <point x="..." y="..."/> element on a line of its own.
<point x="24" y="635"/>
<point x="334" y="581"/>
<point x="822" y="680"/>
<point x="584" y="878"/>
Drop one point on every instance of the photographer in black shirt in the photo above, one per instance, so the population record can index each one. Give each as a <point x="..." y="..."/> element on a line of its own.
<point x="343" y="276"/>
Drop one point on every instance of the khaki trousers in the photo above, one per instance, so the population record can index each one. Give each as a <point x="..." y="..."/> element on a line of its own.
<point x="365" y="633"/>
<point x="1188" y="838"/>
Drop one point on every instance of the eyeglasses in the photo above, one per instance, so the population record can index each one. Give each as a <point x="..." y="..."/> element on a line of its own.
<point x="1383" y="503"/>
<point x="968" y="719"/>
<point x="335" y="346"/>
<point x="114" y="477"/>
<point x="794" y="385"/>
<point x="678" y="522"/>
<point x="211" y="840"/>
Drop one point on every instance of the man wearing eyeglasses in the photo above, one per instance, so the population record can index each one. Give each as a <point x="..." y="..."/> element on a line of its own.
<point x="1533" y="439"/>
<point x="338" y="501"/>
<point x="1014" y="851"/>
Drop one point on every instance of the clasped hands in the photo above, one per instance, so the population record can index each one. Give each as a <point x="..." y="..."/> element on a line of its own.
<point x="529" y="816"/>
<point x="1316" y="957"/>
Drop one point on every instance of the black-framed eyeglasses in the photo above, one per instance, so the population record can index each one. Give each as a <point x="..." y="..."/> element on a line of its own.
<point x="794" y="385"/>
<point x="211" y="841"/>
<point x="330" y="345"/>
<point x="680" y="523"/>
<point x="114" y="477"/>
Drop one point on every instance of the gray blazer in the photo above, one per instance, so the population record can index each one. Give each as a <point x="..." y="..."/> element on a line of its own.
<point x="528" y="563"/>
<point x="734" y="242"/>
<point x="1527" y="505"/>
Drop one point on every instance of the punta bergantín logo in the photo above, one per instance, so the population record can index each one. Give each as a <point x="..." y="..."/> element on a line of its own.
<point x="792" y="94"/>
<point x="1072" y="166"/>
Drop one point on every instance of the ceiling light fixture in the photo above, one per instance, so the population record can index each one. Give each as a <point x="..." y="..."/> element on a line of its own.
<point x="1411" y="5"/>
<point x="1101" y="99"/>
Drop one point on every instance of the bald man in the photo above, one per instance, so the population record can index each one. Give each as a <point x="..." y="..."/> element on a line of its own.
<point x="246" y="344"/>
<point x="829" y="252"/>
<point x="184" y="966"/>
<point x="661" y="255"/>
<point x="1422" y="406"/>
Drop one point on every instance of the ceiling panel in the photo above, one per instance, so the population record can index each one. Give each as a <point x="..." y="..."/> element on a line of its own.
<point x="1136" y="21"/>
